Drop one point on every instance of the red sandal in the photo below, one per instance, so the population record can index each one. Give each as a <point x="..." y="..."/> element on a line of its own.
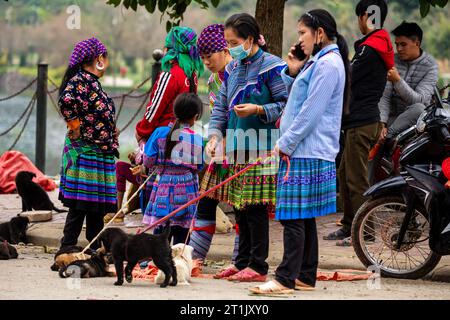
<point x="248" y="275"/>
<point x="227" y="272"/>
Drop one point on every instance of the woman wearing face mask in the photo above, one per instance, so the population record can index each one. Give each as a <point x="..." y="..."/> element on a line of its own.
<point x="88" y="178"/>
<point x="310" y="126"/>
<point x="249" y="103"/>
<point x="215" y="56"/>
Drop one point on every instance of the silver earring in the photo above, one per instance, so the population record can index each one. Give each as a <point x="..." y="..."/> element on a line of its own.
<point x="100" y="68"/>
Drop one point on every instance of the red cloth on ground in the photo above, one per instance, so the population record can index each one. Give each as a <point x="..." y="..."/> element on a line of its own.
<point x="343" y="275"/>
<point x="12" y="162"/>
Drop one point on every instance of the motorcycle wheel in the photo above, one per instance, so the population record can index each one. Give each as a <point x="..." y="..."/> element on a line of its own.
<point x="375" y="230"/>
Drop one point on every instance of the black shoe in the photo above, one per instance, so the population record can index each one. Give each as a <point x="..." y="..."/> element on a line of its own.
<point x="340" y="234"/>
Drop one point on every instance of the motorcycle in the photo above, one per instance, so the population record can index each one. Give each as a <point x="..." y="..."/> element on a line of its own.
<point x="385" y="163"/>
<point x="392" y="230"/>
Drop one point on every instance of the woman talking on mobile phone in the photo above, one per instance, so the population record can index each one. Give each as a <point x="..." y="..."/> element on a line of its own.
<point x="309" y="137"/>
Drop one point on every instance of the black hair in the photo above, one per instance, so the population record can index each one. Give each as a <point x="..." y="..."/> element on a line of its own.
<point x="363" y="5"/>
<point x="320" y="18"/>
<point x="185" y="107"/>
<point x="410" y="30"/>
<point x="72" y="71"/>
<point x="245" y="25"/>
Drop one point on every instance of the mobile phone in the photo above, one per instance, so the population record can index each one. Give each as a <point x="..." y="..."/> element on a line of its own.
<point x="298" y="52"/>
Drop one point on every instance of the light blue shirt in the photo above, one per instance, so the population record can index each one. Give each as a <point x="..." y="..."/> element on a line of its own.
<point x="311" y="122"/>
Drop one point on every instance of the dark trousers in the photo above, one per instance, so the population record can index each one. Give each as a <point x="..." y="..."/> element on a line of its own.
<point x="177" y="234"/>
<point x="206" y="209"/>
<point x="301" y="253"/>
<point x="353" y="170"/>
<point x="253" y="222"/>
<point x="74" y="225"/>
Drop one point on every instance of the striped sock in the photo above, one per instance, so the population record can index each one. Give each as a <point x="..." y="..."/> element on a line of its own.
<point x="201" y="237"/>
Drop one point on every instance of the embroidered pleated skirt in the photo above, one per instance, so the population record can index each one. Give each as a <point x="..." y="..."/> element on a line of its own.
<point x="309" y="192"/>
<point x="256" y="186"/>
<point x="88" y="179"/>
<point x="173" y="187"/>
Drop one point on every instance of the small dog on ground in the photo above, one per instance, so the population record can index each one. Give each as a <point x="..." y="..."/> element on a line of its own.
<point x="136" y="248"/>
<point x="67" y="255"/>
<point x="182" y="259"/>
<point x="15" y="230"/>
<point x="7" y="251"/>
<point x="95" y="266"/>
<point x="32" y="194"/>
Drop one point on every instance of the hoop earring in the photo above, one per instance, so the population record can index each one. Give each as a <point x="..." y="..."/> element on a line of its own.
<point x="98" y="67"/>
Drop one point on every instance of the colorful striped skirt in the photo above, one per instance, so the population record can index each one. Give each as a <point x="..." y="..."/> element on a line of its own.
<point x="88" y="180"/>
<point x="211" y="177"/>
<point x="173" y="187"/>
<point x="309" y="192"/>
<point x="256" y="186"/>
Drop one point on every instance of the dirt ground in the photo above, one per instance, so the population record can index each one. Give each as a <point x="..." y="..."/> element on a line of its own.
<point x="30" y="277"/>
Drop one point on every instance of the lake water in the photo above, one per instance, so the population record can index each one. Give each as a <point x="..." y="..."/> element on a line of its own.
<point x="10" y="111"/>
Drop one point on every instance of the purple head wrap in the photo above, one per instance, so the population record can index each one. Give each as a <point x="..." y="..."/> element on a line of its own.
<point x="86" y="50"/>
<point x="212" y="39"/>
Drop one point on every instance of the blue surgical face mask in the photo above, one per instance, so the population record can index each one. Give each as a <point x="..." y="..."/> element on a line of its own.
<point x="239" y="53"/>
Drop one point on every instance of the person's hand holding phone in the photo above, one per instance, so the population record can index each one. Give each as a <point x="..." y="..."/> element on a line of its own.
<point x="296" y="60"/>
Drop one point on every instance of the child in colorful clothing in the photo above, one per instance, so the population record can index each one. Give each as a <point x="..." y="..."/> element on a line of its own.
<point x="181" y="65"/>
<point x="176" y="152"/>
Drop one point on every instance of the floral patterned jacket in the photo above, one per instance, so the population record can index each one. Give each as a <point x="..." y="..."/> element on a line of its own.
<point x="84" y="99"/>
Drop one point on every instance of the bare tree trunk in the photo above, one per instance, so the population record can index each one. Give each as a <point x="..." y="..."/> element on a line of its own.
<point x="270" y="17"/>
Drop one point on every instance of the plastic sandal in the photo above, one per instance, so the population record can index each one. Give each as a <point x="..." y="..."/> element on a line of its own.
<point x="271" y="287"/>
<point x="227" y="272"/>
<point x="303" y="286"/>
<point x="248" y="275"/>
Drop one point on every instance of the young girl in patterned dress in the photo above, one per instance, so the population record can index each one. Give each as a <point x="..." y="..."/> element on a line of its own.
<point x="176" y="153"/>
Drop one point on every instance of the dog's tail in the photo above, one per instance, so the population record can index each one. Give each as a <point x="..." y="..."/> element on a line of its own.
<point x="58" y="210"/>
<point x="64" y="272"/>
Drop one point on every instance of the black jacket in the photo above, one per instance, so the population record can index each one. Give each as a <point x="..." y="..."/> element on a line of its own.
<point x="373" y="58"/>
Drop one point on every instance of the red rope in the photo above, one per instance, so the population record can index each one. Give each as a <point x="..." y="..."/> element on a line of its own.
<point x="286" y="176"/>
<point x="198" y="198"/>
<point x="193" y="201"/>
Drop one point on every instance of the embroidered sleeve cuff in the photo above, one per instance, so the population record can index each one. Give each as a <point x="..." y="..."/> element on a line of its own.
<point x="271" y="113"/>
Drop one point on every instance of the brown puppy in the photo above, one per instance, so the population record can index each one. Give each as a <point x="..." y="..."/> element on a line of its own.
<point x="67" y="255"/>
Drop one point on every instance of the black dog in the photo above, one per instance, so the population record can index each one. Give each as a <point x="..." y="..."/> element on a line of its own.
<point x="32" y="194"/>
<point x="136" y="248"/>
<point x="7" y="251"/>
<point x="15" y="230"/>
<point x="64" y="256"/>
<point x="94" y="267"/>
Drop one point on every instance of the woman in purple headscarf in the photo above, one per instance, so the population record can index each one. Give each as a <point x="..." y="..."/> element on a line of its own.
<point x="88" y="178"/>
<point x="215" y="56"/>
